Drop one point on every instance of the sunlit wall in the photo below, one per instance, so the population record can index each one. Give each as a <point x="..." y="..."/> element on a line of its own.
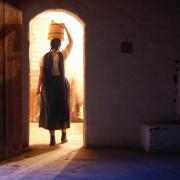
<point x="39" y="45"/>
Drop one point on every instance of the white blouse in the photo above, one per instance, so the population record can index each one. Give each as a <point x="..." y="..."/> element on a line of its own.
<point x="55" y="69"/>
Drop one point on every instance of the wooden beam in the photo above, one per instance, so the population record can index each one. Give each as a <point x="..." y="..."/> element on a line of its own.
<point x="2" y="84"/>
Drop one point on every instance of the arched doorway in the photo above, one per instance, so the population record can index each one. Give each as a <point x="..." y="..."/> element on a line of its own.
<point x="39" y="45"/>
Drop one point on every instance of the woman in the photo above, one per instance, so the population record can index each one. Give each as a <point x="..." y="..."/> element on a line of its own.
<point x="54" y="88"/>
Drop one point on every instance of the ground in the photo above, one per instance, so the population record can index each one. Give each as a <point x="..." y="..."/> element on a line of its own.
<point x="71" y="161"/>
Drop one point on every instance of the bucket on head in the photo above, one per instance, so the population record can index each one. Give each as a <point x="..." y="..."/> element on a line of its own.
<point x="56" y="30"/>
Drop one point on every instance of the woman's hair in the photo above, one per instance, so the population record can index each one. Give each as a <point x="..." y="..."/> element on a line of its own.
<point x="55" y="43"/>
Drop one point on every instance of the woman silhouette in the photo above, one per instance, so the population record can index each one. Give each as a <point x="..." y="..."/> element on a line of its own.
<point x="54" y="89"/>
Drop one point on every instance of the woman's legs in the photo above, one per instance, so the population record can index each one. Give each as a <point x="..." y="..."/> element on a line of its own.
<point x="63" y="130"/>
<point x="63" y="137"/>
<point x="52" y="137"/>
<point x="52" y="132"/>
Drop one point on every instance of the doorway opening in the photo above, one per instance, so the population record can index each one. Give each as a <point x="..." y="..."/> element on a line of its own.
<point x="74" y="67"/>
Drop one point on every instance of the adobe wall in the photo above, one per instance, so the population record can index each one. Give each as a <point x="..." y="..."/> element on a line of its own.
<point x="122" y="90"/>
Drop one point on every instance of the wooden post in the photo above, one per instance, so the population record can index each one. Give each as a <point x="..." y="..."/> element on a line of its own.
<point x="13" y="81"/>
<point x="2" y="88"/>
<point x="11" y="125"/>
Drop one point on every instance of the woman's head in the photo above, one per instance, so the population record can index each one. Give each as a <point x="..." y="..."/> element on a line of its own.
<point x="55" y="43"/>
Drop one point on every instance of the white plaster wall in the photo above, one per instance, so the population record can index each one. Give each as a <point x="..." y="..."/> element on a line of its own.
<point x="124" y="90"/>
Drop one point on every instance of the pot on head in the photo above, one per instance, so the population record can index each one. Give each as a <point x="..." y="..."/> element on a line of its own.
<point x="56" y="30"/>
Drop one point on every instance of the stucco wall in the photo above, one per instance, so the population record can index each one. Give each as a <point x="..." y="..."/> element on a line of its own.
<point x="121" y="90"/>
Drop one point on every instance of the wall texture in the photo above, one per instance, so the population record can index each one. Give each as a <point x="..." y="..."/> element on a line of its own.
<point x="122" y="90"/>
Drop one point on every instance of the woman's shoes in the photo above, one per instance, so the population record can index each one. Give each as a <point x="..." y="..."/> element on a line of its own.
<point x="63" y="138"/>
<point x="52" y="141"/>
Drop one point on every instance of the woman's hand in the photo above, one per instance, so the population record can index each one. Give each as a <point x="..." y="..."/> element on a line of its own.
<point x="63" y="26"/>
<point x="39" y="81"/>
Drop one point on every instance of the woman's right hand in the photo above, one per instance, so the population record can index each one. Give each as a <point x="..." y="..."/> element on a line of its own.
<point x="63" y="26"/>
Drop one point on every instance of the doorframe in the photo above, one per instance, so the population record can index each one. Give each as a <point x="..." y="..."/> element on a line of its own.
<point x="26" y="82"/>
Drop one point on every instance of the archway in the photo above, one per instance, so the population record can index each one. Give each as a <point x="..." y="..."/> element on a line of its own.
<point x="39" y="45"/>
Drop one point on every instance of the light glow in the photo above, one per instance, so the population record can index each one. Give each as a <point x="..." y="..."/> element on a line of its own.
<point x="39" y="45"/>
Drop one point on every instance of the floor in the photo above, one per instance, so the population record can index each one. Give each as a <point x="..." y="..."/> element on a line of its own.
<point x="72" y="162"/>
<point x="40" y="136"/>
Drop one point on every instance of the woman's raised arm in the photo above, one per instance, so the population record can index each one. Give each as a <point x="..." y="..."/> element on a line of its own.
<point x="69" y="46"/>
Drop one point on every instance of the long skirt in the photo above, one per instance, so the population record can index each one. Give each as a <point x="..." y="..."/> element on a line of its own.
<point x="55" y="105"/>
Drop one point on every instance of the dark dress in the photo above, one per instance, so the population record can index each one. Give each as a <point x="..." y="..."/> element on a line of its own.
<point x="55" y="99"/>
